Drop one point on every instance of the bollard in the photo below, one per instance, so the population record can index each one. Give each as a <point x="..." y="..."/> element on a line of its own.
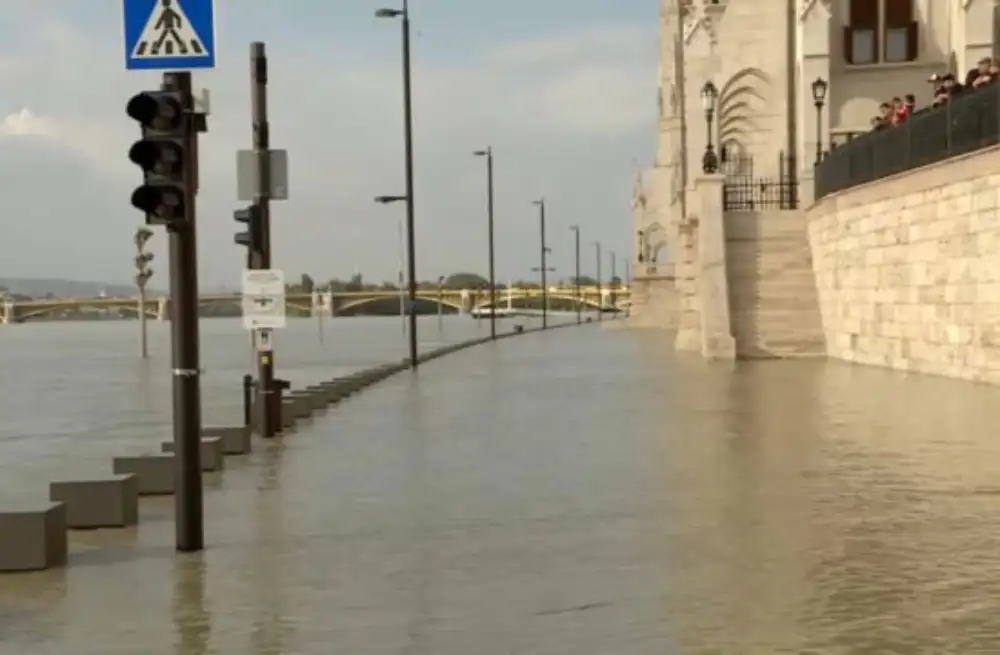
<point x="248" y="385"/>
<point x="280" y="387"/>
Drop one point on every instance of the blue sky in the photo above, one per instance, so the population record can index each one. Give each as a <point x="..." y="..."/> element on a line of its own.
<point x="564" y="91"/>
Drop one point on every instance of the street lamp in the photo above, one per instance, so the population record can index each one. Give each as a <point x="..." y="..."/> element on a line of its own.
<point x="488" y="154"/>
<point x="142" y="275"/>
<point x="628" y="286"/>
<point x="600" y="296"/>
<point x="613" y="282"/>
<point x="709" y="96"/>
<point x="412" y="282"/>
<point x="543" y="269"/>
<point x="819" y="88"/>
<point x="576" y="239"/>
<point x="411" y="245"/>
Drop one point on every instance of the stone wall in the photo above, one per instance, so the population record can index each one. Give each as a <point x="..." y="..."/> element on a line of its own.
<point x="908" y="269"/>
<point x="772" y="293"/>
<point x="654" y="298"/>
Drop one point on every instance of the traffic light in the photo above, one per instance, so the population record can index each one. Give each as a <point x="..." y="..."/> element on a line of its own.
<point x="253" y="238"/>
<point x="162" y="156"/>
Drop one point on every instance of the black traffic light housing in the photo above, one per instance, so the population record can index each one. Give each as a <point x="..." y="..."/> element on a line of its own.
<point x="162" y="155"/>
<point x="253" y="238"/>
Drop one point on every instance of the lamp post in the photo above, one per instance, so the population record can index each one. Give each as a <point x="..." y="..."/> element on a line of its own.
<point x="411" y="245"/>
<point x="411" y="283"/>
<point x="628" y="286"/>
<point x="488" y="154"/>
<point x="819" y="88"/>
<point x="543" y="269"/>
<point x="142" y="275"/>
<point x="709" y="96"/>
<point x="579" y="298"/>
<point x="600" y="296"/>
<point x="613" y="290"/>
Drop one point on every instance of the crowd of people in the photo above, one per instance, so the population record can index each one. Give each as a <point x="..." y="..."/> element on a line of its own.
<point x="946" y="86"/>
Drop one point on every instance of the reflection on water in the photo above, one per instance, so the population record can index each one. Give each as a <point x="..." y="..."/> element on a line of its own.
<point x="582" y="491"/>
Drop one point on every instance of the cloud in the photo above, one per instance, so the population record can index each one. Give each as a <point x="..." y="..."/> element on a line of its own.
<point x="566" y="112"/>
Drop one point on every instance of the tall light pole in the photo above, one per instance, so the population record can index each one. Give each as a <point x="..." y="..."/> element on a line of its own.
<point x="613" y="282"/>
<point x="411" y="243"/>
<point x="600" y="296"/>
<point x="411" y="288"/>
<point x="543" y="268"/>
<point x="628" y="285"/>
<point x="440" y="303"/>
<point x="142" y="275"/>
<point x="576" y="282"/>
<point x="488" y="154"/>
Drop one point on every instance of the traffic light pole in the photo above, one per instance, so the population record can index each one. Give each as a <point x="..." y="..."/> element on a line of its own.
<point x="268" y="398"/>
<point x="183" y="256"/>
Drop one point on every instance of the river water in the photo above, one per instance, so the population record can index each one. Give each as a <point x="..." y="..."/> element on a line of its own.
<point x="576" y="492"/>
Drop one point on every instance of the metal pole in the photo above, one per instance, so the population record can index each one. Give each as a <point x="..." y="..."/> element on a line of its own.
<point x="600" y="296"/>
<point x="489" y="212"/>
<point x="440" y="307"/>
<point x="183" y="254"/>
<point x="628" y="283"/>
<point x="545" y="288"/>
<point x="614" y="280"/>
<point x="411" y="242"/>
<point x="579" y="296"/>
<point x="268" y="398"/>
<point x="320" y="309"/>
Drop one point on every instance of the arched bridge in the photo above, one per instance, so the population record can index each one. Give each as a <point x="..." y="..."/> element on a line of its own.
<point x="306" y="304"/>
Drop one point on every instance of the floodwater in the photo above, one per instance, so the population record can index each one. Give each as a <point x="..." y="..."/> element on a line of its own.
<point x="582" y="491"/>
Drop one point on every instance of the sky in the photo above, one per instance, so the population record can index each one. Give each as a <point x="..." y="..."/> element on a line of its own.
<point x="564" y="91"/>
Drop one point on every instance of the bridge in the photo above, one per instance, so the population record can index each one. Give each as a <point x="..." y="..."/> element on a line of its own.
<point x="329" y="303"/>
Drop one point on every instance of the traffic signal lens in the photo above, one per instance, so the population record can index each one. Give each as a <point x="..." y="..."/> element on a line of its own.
<point x="157" y="112"/>
<point x="165" y="202"/>
<point x="163" y="158"/>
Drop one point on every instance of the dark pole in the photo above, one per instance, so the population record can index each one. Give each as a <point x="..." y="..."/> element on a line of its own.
<point x="268" y="398"/>
<point x="579" y="298"/>
<point x="545" y="288"/>
<point x="600" y="298"/>
<point x="411" y="241"/>
<point x="614" y="280"/>
<point x="183" y="254"/>
<point x="819" y="131"/>
<point x="489" y="211"/>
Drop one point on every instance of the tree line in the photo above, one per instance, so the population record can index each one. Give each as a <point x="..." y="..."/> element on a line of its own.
<point x="455" y="281"/>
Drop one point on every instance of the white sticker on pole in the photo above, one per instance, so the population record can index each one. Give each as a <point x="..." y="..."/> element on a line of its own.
<point x="264" y="299"/>
<point x="264" y="339"/>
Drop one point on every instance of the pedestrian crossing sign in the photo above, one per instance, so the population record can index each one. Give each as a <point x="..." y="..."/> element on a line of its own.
<point x="172" y="35"/>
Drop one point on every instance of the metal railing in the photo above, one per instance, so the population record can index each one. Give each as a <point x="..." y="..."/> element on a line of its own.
<point x="749" y="193"/>
<point x="968" y="122"/>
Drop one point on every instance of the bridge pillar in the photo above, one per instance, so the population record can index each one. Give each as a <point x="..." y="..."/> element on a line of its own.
<point x="162" y="309"/>
<point x="466" y="301"/>
<point x="7" y="312"/>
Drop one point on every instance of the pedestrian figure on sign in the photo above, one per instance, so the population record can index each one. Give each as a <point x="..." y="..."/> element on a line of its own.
<point x="168" y="24"/>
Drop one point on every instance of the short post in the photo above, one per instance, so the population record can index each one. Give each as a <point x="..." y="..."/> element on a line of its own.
<point x="248" y="385"/>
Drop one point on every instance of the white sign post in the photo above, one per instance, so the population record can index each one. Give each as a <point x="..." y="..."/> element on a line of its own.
<point x="264" y="299"/>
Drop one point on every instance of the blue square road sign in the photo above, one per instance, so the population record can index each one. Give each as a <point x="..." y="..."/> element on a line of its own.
<point x="171" y="35"/>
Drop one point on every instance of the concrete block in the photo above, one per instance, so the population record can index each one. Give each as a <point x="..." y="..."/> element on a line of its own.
<point x="213" y="457"/>
<point x="311" y="398"/>
<point x="298" y="408"/>
<point x="109" y="503"/>
<point x="235" y="439"/>
<point x="288" y="417"/>
<point x="33" y="539"/>
<point x="154" y="473"/>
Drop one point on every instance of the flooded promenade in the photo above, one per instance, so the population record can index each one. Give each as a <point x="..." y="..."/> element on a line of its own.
<point x="582" y="491"/>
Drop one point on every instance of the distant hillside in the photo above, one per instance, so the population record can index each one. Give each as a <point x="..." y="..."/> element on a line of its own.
<point x="58" y="288"/>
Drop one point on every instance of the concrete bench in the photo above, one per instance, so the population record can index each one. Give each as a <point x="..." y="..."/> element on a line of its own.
<point x="109" y="503"/>
<point x="235" y="440"/>
<point x="154" y="473"/>
<point x="33" y="539"/>
<point x="288" y="416"/>
<point x="213" y="457"/>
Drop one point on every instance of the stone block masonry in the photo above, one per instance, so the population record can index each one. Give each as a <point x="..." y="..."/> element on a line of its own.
<point x="908" y="269"/>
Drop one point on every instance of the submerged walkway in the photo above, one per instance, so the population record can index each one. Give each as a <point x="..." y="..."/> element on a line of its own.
<point x="574" y="493"/>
